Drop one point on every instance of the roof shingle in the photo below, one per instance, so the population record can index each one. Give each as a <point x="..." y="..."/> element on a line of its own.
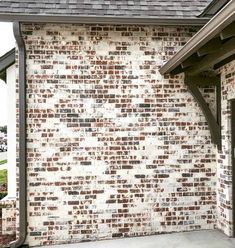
<point x="125" y="8"/>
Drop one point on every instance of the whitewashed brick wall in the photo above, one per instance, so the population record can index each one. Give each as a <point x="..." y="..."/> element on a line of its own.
<point x="8" y="217"/>
<point x="224" y="185"/>
<point x="114" y="149"/>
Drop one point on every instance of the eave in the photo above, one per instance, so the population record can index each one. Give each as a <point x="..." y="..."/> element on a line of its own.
<point x="220" y="27"/>
<point x="209" y="49"/>
<point x="213" y="8"/>
<point x="6" y="61"/>
<point x="95" y="19"/>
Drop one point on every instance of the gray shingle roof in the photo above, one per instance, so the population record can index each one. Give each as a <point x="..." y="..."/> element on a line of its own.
<point x="128" y="8"/>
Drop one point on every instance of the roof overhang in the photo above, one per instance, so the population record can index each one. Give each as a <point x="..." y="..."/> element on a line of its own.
<point x="209" y="49"/>
<point x="148" y="20"/>
<point x="6" y="61"/>
<point x="212" y="45"/>
<point x="213" y="8"/>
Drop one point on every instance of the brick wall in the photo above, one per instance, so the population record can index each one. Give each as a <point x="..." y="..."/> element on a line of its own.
<point x="114" y="149"/>
<point x="224" y="188"/>
<point x="7" y="217"/>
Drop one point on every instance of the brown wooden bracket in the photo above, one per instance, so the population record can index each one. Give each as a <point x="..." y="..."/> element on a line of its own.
<point x="193" y="82"/>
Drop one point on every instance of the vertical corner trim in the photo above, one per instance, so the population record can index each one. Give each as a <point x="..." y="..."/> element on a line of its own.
<point x="22" y="138"/>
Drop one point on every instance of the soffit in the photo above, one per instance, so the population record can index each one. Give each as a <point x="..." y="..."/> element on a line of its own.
<point x="213" y="45"/>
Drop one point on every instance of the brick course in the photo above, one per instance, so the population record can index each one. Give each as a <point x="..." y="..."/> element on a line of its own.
<point x="114" y="149"/>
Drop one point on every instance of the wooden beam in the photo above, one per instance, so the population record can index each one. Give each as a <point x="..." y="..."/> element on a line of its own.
<point x="215" y="128"/>
<point x="176" y="71"/>
<point x="225" y="61"/>
<point x="210" y="47"/>
<point x="202" y="80"/>
<point x="190" y="61"/>
<point x="208" y="62"/>
<point x="228" y="32"/>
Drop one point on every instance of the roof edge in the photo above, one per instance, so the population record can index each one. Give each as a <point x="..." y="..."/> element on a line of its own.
<point x="213" y="8"/>
<point x="212" y="28"/>
<point x="7" y="60"/>
<point x="104" y="19"/>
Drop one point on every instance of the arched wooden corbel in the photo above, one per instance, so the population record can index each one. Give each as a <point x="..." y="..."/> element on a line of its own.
<point x="193" y="82"/>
